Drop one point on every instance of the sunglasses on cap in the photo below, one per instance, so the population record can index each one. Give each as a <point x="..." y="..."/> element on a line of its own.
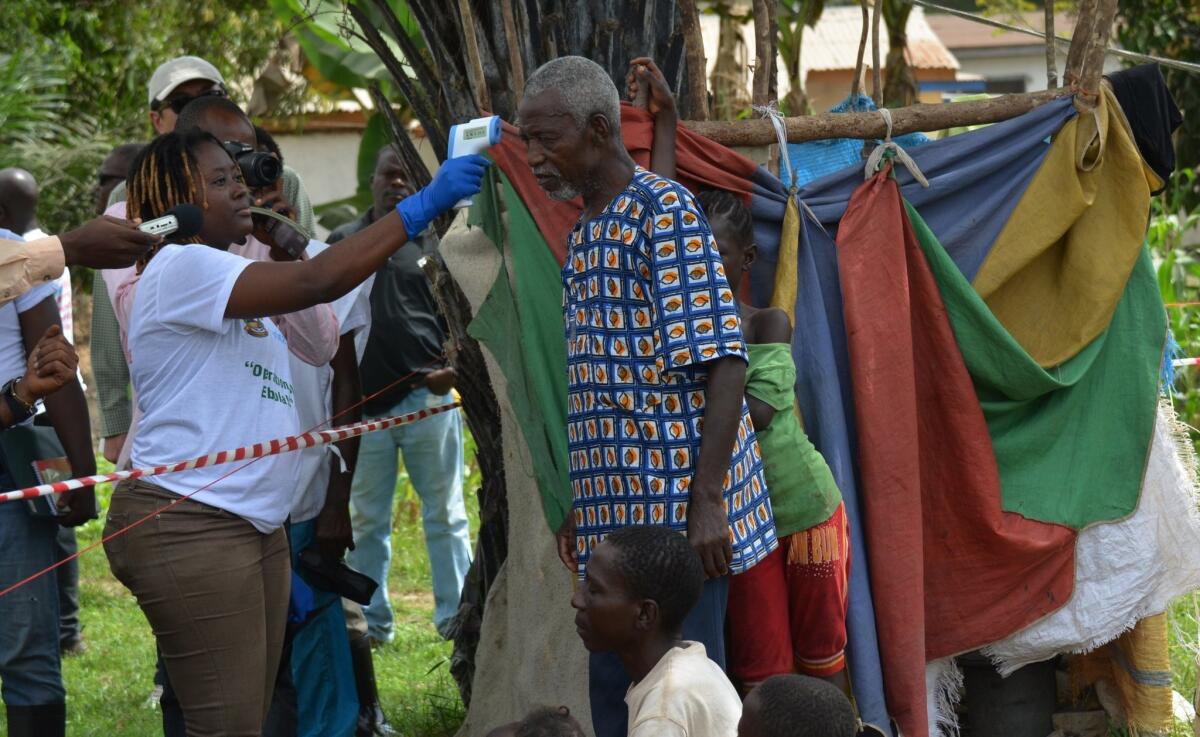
<point x="177" y="104"/>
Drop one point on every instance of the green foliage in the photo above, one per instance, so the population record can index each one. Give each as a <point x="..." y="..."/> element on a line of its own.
<point x="333" y="45"/>
<point x="38" y="133"/>
<point x="109" y="686"/>
<point x="109" y="48"/>
<point x="74" y="77"/>
<point x="1178" y="266"/>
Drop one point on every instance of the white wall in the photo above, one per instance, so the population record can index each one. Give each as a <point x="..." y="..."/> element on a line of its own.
<point x="328" y="162"/>
<point x="1007" y="63"/>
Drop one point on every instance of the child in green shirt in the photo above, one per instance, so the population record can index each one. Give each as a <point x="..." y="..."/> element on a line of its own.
<point x="788" y="613"/>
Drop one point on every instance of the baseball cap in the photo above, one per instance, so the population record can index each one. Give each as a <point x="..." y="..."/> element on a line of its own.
<point x="175" y="72"/>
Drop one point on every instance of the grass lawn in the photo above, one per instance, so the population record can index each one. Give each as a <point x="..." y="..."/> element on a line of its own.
<point x="109" y="686"/>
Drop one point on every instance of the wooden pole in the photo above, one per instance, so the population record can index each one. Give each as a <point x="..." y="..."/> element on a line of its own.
<point x="474" y="61"/>
<point x="1093" y="60"/>
<point x="1084" y="20"/>
<point x="693" y="41"/>
<point x="763" y="58"/>
<point x="856" y="83"/>
<point x="876" y="86"/>
<point x="922" y="117"/>
<point x="515" y="60"/>
<point x="1051" y="73"/>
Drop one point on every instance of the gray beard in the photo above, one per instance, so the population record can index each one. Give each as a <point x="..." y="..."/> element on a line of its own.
<point x="564" y="192"/>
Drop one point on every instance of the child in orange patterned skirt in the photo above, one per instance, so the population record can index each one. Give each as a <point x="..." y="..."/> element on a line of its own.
<point x="788" y="613"/>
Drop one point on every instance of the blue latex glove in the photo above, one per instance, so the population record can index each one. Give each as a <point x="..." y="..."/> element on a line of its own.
<point x="301" y="601"/>
<point x="458" y="178"/>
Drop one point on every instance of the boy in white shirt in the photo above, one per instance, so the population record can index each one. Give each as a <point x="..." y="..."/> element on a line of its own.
<point x="640" y="584"/>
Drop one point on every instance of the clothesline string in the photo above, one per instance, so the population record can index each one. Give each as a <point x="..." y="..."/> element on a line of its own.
<point x="67" y="559"/>
<point x="1185" y="66"/>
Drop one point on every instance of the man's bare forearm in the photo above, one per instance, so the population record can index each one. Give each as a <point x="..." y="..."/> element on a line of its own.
<point x="722" y="414"/>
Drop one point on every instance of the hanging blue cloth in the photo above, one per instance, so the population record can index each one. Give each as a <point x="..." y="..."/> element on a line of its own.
<point x="975" y="181"/>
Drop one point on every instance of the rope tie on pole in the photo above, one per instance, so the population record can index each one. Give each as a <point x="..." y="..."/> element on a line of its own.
<point x="891" y="149"/>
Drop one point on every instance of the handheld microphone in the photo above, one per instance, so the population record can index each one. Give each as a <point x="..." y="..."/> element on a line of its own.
<point x="184" y="221"/>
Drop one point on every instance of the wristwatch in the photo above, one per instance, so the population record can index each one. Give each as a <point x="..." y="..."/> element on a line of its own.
<point x="16" y="406"/>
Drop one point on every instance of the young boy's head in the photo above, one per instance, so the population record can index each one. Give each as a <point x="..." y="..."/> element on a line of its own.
<point x="797" y="706"/>
<point x="733" y="229"/>
<point x="550" y="722"/>
<point x="641" y="583"/>
<point x="542" y="722"/>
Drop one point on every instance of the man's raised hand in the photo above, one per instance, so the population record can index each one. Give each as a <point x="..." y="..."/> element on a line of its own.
<point x="106" y="243"/>
<point x="647" y="87"/>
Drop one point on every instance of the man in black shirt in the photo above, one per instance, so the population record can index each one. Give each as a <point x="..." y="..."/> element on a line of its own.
<point x="406" y="340"/>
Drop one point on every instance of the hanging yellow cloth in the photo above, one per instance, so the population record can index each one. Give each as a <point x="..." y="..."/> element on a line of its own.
<point x="784" y="294"/>
<point x="1139" y="665"/>
<point x="1057" y="270"/>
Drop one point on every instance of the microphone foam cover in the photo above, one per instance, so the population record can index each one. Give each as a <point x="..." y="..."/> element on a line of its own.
<point x="190" y="218"/>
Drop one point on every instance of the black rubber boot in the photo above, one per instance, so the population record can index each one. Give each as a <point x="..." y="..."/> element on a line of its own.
<point x="46" y="720"/>
<point x="371" y="720"/>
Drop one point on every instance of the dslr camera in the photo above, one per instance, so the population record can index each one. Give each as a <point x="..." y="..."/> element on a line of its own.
<point x="259" y="169"/>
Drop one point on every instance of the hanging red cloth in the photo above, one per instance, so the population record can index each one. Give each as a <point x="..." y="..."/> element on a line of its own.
<point x="950" y="571"/>
<point x="701" y="164"/>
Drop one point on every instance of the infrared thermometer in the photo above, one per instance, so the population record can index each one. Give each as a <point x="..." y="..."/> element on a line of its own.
<point x="473" y="137"/>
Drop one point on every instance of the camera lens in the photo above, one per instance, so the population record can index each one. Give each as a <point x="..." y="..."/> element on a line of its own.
<point x="259" y="169"/>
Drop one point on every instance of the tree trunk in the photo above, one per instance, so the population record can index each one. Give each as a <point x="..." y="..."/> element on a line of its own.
<point x="900" y="87"/>
<point x="796" y="102"/>
<point x="764" y="52"/>
<point x="503" y="38"/>
<point x="729" y="75"/>
<point x="697" y="89"/>
<point x="483" y="418"/>
<point x="609" y="32"/>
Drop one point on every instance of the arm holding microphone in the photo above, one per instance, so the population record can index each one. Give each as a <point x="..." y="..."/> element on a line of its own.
<point x="100" y="243"/>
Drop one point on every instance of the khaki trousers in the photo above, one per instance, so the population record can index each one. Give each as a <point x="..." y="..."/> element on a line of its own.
<point x="215" y="591"/>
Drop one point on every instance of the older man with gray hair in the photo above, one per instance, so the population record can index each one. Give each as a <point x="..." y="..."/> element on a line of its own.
<point x="654" y="355"/>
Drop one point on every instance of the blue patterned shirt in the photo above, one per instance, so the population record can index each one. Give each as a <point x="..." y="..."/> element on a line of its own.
<point x="646" y="305"/>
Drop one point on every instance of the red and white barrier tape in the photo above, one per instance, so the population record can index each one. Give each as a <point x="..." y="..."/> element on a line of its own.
<point x="246" y="453"/>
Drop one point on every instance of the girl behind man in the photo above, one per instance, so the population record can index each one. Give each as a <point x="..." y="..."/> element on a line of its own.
<point x="211" y="371"/>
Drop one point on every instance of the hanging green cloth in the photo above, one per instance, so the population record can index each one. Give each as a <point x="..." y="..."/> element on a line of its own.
<point x="1071" y="440"/>
<point x="521" y="324"/>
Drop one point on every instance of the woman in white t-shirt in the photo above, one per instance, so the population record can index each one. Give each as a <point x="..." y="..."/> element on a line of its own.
<point x="211" y="372"/>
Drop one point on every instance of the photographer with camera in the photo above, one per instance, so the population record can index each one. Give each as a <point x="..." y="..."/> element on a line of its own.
<point x="173" y="85"/>
<point x="312" y="334"/>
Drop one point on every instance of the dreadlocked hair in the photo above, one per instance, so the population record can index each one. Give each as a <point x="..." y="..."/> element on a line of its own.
<point x="166" y="174"/>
